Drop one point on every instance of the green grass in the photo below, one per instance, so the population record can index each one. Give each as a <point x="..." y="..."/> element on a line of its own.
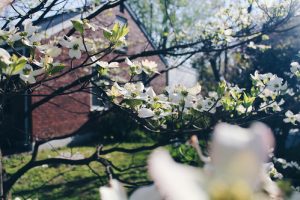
<point x="72" y="182"/>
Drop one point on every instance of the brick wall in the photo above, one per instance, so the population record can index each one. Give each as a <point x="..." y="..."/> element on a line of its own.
<point x="66" y="114"/>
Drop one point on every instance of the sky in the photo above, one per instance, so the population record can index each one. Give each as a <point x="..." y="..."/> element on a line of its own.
<point x="22" y="6"/>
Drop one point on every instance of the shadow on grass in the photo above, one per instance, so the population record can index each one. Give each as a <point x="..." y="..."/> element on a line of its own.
<point x="84" y="188"/>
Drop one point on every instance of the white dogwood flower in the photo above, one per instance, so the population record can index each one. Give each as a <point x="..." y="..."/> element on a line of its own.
<point x="28" y="27"/>
<point x="10" y="34"/>
<point x="295" y="69"/>
<point x="133" y="90"/>
<point x="28" y="74"/>
<point x="269" y="85"/>
<point x="50" y="50"/>
<point x="173" y="180"/>
<point x="276" y="84"/>
<point x="135" y="67"/>
<point x="5" y="57"/>
<point x="239" y="153"/>
<point x="105" y="64"/>
<point x="275" y="106"/>
<point x="29" y="35"/>
<point x="75" y="46"/>
<point x="291" y="117"/>
<point x="149" y="67"/>
<point x="241" y="109"/>
<point x="115" y="90"/>
<point x="206" y="104"/>
<point x="236" y="170"/>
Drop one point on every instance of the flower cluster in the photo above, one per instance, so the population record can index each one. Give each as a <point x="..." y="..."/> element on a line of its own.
<point x="146" y="66"/>
<point x="175" y="101"/>
<point x="180" y="102"/>
<point x="235" y="98"/>
<point x="29" y="35"/>
<point x="269" y="85"/>
<point x="285" y="164"/>
<point x="295" y="69"/>
<point x="143" y="100"/>
<point x="290" y="117"/>
<point x="12" y="65"/>
<point x="75" y="46"/>
<point x="31" y="66"/>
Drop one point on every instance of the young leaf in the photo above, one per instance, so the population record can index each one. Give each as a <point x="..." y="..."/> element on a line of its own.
<point x="18" y="65"/>
<point x="78" y="25"/>
<point x="107" y="34"/>
<point x="55" y="69"/>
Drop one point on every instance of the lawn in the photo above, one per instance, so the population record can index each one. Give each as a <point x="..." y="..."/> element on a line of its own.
<point x="72" y="182"/>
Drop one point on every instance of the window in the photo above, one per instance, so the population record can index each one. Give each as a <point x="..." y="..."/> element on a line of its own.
<point x="121" y="20"/>
<point x="17" y="118"/>
<point x="96" y="103"/>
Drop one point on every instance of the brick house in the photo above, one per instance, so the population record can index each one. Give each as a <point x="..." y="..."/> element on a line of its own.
<point x="68" y="114"/>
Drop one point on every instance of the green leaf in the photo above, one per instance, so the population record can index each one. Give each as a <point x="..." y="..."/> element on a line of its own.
<point x="102" y="71"/>
<point x="116" y="33"/>
<point x="107" y="34"/>
<point x="55" y="69"/>
<point x="133" y="102"/>
<point x="165" y="34"/>
<point x="248" y="100"/>
<point x="221" y="88"/>
<point x="18" y="65"/>
<point x="2" y="65"/>
<point x="124" y="30"/>
<point x="265" y="37"/>
<point x="116" y="28"/>
<point x="254" y="91"/>
<point x="78" y="25"/>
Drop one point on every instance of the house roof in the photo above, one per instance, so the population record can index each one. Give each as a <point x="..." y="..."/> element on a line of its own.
<point x="144" y="30"/>
<point x="50" y="22"/>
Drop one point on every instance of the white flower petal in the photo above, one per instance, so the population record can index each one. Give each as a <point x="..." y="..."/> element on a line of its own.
<point x="195" y="90"/>
<point x="4" y="56"/>
<point x="128" y="62"/>
<point x="146" y="193"/>
<point x="238" y="153"/>
<point x="113" y="65"/>
<point x="74" y="53"/>
<point x="114" y="192"/>
<point x="150" y="92"/>
<point x="65" y="43"/>
<point x="175" y="181"/>
<point x="103" y="64"/>
<point x="28" y="78"/>
<point x="28" y="27"/>
<point x="53" y="51"/>
<point x="38" y="72"/>
<point x="145" y="113"/>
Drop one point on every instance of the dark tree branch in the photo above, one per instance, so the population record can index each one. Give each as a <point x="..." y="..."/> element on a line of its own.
<point x="45" y="12"/>
<point x="31" y="12"/>
<point x="105" y="6"/>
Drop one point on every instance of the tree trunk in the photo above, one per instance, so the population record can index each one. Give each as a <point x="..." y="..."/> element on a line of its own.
<point x="1" y="178"/>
